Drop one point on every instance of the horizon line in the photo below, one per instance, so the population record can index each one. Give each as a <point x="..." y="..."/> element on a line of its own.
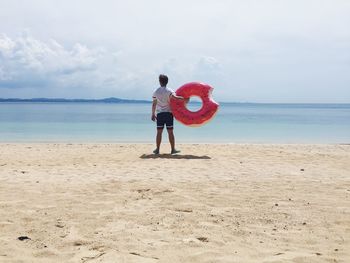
<point x="121" y="100"/>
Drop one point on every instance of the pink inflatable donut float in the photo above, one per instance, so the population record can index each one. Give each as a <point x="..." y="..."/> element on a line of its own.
<point x="194" y="118"/>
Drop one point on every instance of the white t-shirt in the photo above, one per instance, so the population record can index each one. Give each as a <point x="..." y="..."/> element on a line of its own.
<point x="162" y="94"/>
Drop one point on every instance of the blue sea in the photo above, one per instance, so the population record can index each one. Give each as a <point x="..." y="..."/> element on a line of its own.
<point x="234" y="123"/>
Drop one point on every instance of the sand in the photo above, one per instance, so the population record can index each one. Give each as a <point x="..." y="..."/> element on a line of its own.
<point x="211" y="203"/>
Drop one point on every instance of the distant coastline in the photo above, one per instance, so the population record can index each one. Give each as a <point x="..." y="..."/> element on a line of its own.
<point x="119" y="100"/>
<point x="105" y="100"/>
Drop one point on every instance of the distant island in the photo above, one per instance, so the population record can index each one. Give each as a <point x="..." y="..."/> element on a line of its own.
<point x="105" y="100"/>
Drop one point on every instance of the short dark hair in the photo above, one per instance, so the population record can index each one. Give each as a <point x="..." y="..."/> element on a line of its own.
<point x="163" y="80"/>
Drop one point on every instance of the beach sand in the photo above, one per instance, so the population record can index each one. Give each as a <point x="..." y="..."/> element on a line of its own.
<point x="211" y="203"/>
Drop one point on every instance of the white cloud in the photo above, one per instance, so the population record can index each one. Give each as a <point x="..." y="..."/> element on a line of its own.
<point x="55" y="70"/>
<point x="50" y="69"/>
<point x="25" y="60"/>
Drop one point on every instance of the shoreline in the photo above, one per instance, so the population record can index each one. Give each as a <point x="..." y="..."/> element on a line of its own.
<point x="166" y="143"/>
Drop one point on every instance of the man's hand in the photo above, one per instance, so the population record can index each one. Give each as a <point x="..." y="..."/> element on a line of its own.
<point x="154" y="117"/>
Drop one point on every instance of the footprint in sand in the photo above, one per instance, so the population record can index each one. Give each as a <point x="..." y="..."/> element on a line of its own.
<point x="203" y="239"/>
<point x="185" y="210"/>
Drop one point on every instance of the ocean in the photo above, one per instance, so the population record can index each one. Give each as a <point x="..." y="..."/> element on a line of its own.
<point x="131" y="122"/>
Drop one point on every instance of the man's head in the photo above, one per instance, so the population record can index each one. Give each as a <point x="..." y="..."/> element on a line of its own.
<point x="163" y="80"/>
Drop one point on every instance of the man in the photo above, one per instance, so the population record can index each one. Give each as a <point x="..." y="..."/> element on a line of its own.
<point x="161" y="112"/>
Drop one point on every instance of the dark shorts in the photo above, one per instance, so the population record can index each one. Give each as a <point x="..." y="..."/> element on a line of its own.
<point x="165" y="118"/>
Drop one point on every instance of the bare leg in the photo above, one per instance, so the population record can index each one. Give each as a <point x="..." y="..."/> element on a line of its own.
<point x="171" y="139"/>
<point x="159" y="137"/>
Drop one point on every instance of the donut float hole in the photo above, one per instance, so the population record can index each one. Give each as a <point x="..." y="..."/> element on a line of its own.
<point x="195" y="104"/>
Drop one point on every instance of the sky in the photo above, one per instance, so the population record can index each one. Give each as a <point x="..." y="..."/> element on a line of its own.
<point x="291" y="51"/>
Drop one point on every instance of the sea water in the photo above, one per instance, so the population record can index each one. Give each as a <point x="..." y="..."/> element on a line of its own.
<point x="131" y="122"/>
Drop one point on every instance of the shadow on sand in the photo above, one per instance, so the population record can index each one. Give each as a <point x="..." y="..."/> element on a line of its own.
<point x="175" y="156"/>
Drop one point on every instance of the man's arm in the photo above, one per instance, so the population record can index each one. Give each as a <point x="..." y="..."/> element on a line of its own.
<point x="154" y="104"/>
<point x="179" y="97"/>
